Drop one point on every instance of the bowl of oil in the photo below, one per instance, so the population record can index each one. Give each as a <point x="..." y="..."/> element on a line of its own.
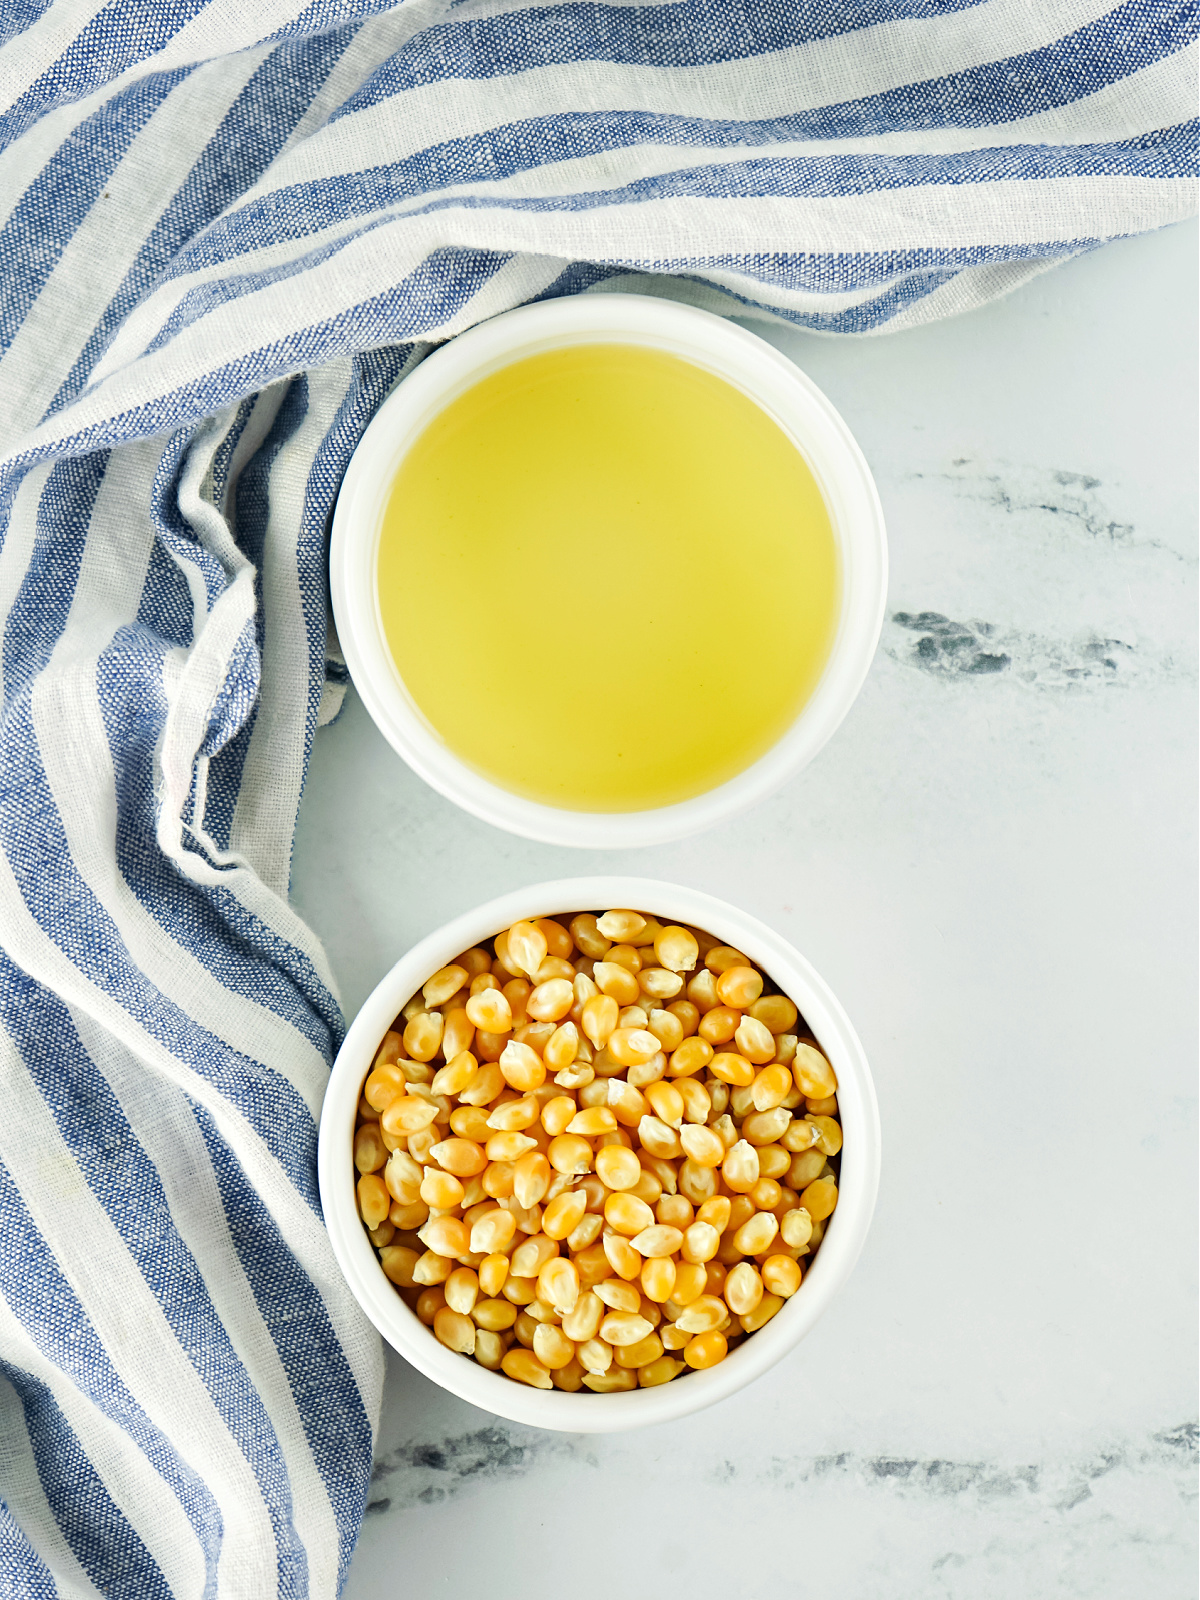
<point x="607" y="570"/>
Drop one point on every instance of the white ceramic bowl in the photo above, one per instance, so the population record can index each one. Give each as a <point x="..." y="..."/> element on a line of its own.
<point x="831" y="1266"/>
<point x="742" y="359"/>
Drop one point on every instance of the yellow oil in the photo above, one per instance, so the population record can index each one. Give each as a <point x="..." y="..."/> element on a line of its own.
<point x="608" y="578"/>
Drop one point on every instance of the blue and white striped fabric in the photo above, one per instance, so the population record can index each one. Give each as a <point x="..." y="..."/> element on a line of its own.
<point x="226" y="229"/>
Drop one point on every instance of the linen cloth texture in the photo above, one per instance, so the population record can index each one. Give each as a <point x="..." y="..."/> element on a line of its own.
<point x="226" y="230"/>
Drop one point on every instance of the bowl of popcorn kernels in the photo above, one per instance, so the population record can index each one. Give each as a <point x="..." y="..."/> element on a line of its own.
<point x="599" y="1153"/>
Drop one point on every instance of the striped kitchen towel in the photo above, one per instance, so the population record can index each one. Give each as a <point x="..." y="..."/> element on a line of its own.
<point x="226" y="230"/>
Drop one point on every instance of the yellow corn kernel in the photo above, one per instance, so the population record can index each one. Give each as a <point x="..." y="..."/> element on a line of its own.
<point x="489" y="1349"/>
<point x="781" y="1275"/>
<point x="551" y="1001"/>
<point x="702" y="992"/>
<point x="676" y="949"/>
<point x="446" y="1236"/>
<point x="618" y="1295"/>
<point x="775" y="1011"/>
<point x="519" y="1291"/>
<point x="407" y="1114"/>
<point x="610" y="1382"/>
<point x="701" y="1145"/>
<point x="739" y="987"/>
<point x="720" y="1024"/>
<point x="692" y="1056"/>
<point x="658" y="1240"/>
<point x="773" y="1161"/>
<point x="369" y="1151"/>
<point x="617" y="1167"/>
<point x="588" y="937"/>
<point x="525" y="1367"/>
<point x="509" y="1146"/>
<point x="398" y="1262"/>
<point x="620" y="925"/>
<point x="667" y="1029"/>
<point x="818" y="1199"/>
<point x="667" y="1102"/>
<point x="706" y="1350"/>
<point x="705" y="1313"/>
<point x="432" y="1268"/>
<point x="640" y="1354"/>
<point x="440" y="1190"/>
<point x="423" y="1035"/>
<point x="700" y="1242"/>
<point x="753" y="1237"/>
<point x="583" y="1321"/>
<point x="585" y="1232"/>
<point x="562" y="1047"/>
<point x="690" y="1283"/>
<point x="771" y="1087"/>
<point x="531" y="1178"/>
<point x="743" y="1289"/>
<point x="455" y="1076"/>
<point x="385" y="1084"/>
<point x="626" y="1213"/>
<point x="429" y="1303"/>
<point x="458" y="1030"/>
<point x="805" y="1168"/>
<point x="757" y="1043"/>
<point x="814" y="1076"/>
<point x="616" y="982"/>
<point x="563" y="1214"/>
<point x="732" y="1069"/>
<point x="513" y="1115"/>
<point x="493" y="1233"/>
<point x="659" y="984"/>
<point x="766" y="1194"/>
<point x="673" y="1337"/>
<point x="489" y="1080"/>
<point x="599" y="1018"/>
<point x="493" y="1270"/>
<point x="531" y="1256"/>
<point x="716" y="1211"/>
<point x="470" y="1122"/>
<point x="829" y="1134"/>
<point x="592" y="1122"/>
<point x="461" y="1290"/>
<point x="696" y="1182"/>
<point x="383" y="1234"/>
<point x="796" y="1228"/>
<point x="552" y="1347"/>
<point x="659" y="1372"/>
<point x="463" y="1157"/>
<point x="800" y="1135"/>
<point x="658" y="1138"/>
<point x="624" y="1327"/>
<point x="570" y="1153"/>
<point x="497" y="1179"/>
<point x="490" y="1012"/>
<point x="766" y="1127"/>
<point x="522" y="1067"/>
<point x="445" y="982"/>
<point x="374" y="1201"/>
<point x="525" y="1327"/>
<point x="622" y="1257"/>
<point x="762" y="1313"/>
<point x="658" y="1279"/>
<point x="675" y="1209"/>
<point x="525" y="947"/>
<point x="740" y="1168"/>
<point x="408" y="1217"/>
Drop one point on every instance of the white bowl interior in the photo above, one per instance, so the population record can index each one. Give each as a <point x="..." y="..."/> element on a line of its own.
<point x="832" y="1264"/>
<point x="720" y="347"/>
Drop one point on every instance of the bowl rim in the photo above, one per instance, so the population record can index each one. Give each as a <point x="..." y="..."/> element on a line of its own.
<point x="553" y="1409"/>
<point x="741" y="358"/>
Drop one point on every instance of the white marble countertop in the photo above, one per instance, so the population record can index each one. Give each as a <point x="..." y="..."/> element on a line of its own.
<point x="993" y="864"/>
